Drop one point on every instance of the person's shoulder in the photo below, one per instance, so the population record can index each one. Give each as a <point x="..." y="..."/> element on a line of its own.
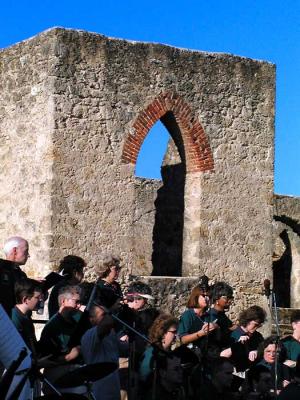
<point x="102" y="283"/>
<point x="188" y="313"/>
<point x="55" y="320"/>
<point x="287" y="339"/>
<point x="6" y="265"/>
<point x="89" y="334"/>
<point x="16" y="315"/>
<point x="237" y="333"/>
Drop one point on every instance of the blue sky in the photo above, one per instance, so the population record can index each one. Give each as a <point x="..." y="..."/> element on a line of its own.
<point x="266" y="30"/>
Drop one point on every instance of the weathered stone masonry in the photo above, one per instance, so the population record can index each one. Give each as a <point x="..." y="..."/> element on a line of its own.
<point x="74" y="110"/>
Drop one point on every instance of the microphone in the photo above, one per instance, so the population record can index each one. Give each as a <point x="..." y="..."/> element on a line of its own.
<point x="267" y="288"/>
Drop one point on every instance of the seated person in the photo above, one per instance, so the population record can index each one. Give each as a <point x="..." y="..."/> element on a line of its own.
<point x="259" y="384"/>
<point x="101" y="344"/>
<point x="219" y="386"/>
<point x="292" y="391"/>
<point x="28" y="294"/>
<point x="266" y="356"/>
<point x="243" y="351"/>
<point x="159" y="372"/>
<point x="291" y="343"/>
<point x="57" y="334"/>
<point x="71" y="267"/>
<point x="140" y="315"/>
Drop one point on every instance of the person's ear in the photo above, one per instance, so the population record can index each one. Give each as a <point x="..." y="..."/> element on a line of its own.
<point x="14" y="252"/>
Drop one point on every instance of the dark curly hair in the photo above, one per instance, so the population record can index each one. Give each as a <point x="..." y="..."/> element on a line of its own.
<point x="263" y="345"/>
<point x="160" y="326"/>
<point x="295" y="316"/>
<point x="253" y="313"/>
<point x="220" y="289"/>
<point x="71" y="264"/>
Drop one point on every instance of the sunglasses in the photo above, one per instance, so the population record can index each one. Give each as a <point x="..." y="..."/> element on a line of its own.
<point x="130" y="299"/>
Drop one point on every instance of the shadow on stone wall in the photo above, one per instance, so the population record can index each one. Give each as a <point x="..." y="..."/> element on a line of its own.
<point x="282" y="268"/>
<point x="282" y="273"/>
<point x="168" y="225"/>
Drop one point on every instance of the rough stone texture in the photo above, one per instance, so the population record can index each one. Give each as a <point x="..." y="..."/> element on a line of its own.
<point x="74" y="110"/>
<point x="286" y="253"/>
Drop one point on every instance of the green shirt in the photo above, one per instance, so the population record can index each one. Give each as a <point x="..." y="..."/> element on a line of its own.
<point x="56" y="334"/>
<point x="24" y="325"/>
<point x="292" y="347"/>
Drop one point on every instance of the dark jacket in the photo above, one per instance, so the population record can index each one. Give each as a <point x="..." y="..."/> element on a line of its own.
<point x="10" y="273"/>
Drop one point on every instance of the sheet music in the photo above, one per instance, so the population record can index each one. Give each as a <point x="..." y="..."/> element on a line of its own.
<point x="11" y="343"/>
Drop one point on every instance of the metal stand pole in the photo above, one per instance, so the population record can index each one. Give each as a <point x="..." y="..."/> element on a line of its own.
<point x="277" y="348"/>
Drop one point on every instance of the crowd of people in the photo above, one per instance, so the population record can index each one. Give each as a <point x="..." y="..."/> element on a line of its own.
<point x="137" y="351"/>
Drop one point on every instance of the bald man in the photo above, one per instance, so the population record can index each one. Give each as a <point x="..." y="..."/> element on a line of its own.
<point x="16" y="251"/>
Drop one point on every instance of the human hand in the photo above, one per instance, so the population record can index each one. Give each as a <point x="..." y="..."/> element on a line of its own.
<point x="226" y="353"/>
<point x="244" y="339"/>
<point x="290" y="363"/>
<point x="74" y="353"/>
<point x="252" y="355"/>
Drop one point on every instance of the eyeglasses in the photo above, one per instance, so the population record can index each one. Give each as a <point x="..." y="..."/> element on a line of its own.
<point x="256" y="324"/>
<point x="227" y="297"/>
<point x="76" y="301"/>
<point x="130" y="299"/>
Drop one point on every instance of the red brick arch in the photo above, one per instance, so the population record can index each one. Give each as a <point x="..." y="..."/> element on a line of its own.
<point x="197" y="150"/>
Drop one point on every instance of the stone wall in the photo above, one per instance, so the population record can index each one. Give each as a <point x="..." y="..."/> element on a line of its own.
<point x="79" y="106"/>
<point x="26" y="134"/>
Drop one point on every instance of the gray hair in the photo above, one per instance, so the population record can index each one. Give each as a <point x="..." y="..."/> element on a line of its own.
<point x="11" y="243"/>
<point x="67" y="292"/>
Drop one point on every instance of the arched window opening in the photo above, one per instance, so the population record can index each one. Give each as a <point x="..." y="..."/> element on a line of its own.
<point x="160" y="205"/>
<point x="152" y="152"/>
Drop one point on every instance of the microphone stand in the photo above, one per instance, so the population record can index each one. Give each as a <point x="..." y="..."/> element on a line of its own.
<point x="272" y="303"/>
<point x="275" y="314"/>
<point x="156" y="349"/>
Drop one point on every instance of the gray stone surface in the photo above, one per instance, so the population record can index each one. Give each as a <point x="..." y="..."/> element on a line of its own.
<point x="69" y="101"/>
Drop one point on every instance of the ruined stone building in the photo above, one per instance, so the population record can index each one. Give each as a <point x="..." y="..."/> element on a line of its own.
<point x="75" y="108"/>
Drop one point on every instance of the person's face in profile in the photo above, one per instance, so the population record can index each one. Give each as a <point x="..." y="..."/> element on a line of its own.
<point x="21" y="253"/>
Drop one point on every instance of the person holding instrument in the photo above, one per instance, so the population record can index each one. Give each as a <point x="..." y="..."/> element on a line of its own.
<point x="193" y="325"/>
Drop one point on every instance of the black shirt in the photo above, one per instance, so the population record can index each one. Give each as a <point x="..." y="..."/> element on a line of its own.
<point x="10" y="273"/>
